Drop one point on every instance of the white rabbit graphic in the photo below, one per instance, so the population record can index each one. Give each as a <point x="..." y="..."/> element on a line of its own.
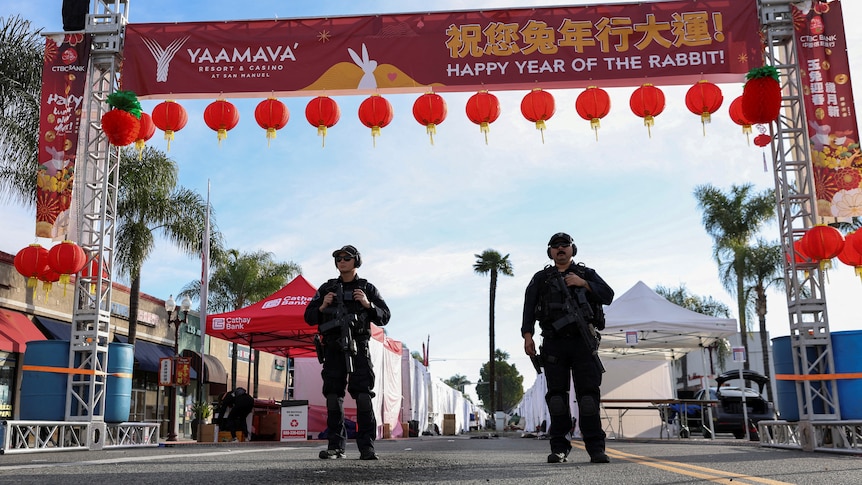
<point x="368" y="66"/>
<point x="57" y="161"/>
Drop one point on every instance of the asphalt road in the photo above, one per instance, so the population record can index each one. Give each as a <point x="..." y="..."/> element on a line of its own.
<point x="465" y="459"/>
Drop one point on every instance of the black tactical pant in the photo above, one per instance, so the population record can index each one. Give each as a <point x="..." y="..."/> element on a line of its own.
<point x="360" y="384"/>
<point x="565" y="358"/>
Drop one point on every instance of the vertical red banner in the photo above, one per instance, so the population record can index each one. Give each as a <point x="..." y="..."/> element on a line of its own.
<point x="64" y="77"/>
<point x="828" y="94"/>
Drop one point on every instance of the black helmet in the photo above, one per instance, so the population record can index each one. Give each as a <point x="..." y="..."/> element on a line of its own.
<point x="564" y="238"/>
<point x="352" y="251"/>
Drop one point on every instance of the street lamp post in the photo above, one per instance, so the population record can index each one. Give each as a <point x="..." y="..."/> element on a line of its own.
<point x="171" y="307"/>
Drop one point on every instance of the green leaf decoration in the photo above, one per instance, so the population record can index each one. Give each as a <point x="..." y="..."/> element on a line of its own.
<point x="125" y="101"/>
<point x="765" y="71"/>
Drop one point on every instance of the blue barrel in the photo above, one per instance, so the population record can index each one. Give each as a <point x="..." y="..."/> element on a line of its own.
<point x="118" y="388"/>
<point x="782" y="356"/>
<point x="846" y="349"/>
<point x="43" y="394"/>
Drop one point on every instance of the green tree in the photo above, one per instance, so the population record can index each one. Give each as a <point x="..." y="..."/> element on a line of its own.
<point x="242" y="279"/>
<point x="733" y="220"/>
<point x="149" y="203"/>
<point x="21" y="51"/>
<point x="457" y="382"/>
<point x="510" y="383"/>
<point x="490" y="261"/>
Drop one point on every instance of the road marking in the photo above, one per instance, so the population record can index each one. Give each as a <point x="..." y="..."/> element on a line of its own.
<point x="700" y="472"/>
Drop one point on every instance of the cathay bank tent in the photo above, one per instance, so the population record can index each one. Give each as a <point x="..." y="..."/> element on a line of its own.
<point x="642" y="324"/>
<point x="275" y="324"/>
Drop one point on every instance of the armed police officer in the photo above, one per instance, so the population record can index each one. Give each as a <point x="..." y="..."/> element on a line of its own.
<point x="343" y="310"/>
<point x="566" y="298"/>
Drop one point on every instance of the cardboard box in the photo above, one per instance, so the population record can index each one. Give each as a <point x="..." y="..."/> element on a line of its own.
<point x="224" y="436"/>
<point x="387" y="431"/>
<point x="405" y="429"/>
<point x="206" y="433"/>
<point x="269" y="426"/>
<point x="449" y="425"/>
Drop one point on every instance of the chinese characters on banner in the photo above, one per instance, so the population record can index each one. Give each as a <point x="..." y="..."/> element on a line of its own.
<point x="672" y="42"/>
<point x="175" y="371"/>
<point x="64" y="75"/>
<point x="828" y="95"/>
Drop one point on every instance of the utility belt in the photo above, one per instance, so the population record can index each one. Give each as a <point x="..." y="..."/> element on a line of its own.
<point x="548" y="330"/>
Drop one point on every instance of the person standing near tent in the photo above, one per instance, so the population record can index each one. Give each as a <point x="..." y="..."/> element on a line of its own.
<point x="343" y="309"/>
<point x="237" y="418"/>
<point x="565" y="350"/>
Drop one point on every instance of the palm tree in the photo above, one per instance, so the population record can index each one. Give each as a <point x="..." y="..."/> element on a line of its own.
<point x="457" y="382"/>
<point x="490" y="261"/>
<point x="732" y="220"/>
<point x="21" y="51"/>
<point x="241" y="279"/>
<point x="150" y="203"/>
<point x="763" y="264"/>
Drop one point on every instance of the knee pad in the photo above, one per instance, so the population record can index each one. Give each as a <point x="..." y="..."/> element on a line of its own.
<point x="557" y="405"/>
<point x="363" y="403"/>
<point x="333" y="401"/>
<point x="589" y="405"/>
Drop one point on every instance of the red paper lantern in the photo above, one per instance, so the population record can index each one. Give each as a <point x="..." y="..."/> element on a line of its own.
<point x="322" y="112"/>
<point x="48" y="278"/>
<point x="647" y="102"/>
<point x="31" y="262"/>
<point x="762" y="140"/>
<point x="169" y="117"/>
<point x="375" y="112"/>
<point x="592" y="105"/>
<point x="799" y="250"/>
<point x="66" y="258"/>
<point x="271" y="115"/>
<point x="761" y="95"/>
<point x="120" y="127"/>
<point x="704" y="99"/>
<point x="538" y="106"/>
<point x="91" y="269"/>
<point x="850" y="255"/>
<point x="483" y="108"/>
<point x="430" y="110"/>
<point x="146" y="131"/>
<point x="221" y="116"/>
<point x="822" y="243"/>
<point x="738" y="117"/>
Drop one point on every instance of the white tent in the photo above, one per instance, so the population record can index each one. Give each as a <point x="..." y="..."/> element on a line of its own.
<point x="642" y="324"/>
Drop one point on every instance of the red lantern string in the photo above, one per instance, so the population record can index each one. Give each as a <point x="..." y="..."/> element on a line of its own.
<point x="538" y="106"/>
<point x="592" y="105"/>
<point x="375" y="112"/>
<point x="271" y="115"/>
<point x="147" y="130"/>
<point x="170" y="117"/>
<point x="647" y="102"/>
<point x="322" y="112"/>
<point x="483" y="108"/>
<point x="736" y="115"/>
<point x="221" y="116"/>
<point x="704" y="98"/>
<point x="430" y="110"/>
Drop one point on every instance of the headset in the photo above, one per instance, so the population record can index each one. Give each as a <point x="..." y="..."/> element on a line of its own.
<point x="562" y="235"/>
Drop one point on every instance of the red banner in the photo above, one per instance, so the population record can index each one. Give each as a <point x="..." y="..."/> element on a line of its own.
<point x="822" y="50"/>
<point x="674" y="42"/>
<point x="64" y="77"/>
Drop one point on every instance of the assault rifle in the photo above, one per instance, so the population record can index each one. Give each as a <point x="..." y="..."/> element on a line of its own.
<point x="346" y="321"/>
<point x="578" y="313"/>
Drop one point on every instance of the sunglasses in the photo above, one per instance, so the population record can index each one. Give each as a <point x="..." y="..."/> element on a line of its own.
<point x="339" y="259"/>
<point x="560" y="245"/>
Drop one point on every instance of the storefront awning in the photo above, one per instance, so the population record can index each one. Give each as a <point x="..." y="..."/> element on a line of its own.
<point x="56" y="329"/>
<point x="147" y="354"/>
<point x="214" y="371"/>
<point x="16" y="329"/>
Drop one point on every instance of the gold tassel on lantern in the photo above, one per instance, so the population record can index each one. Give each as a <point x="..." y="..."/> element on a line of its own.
<point x="649" y="121"/>
<point x="431" y="129"/>
<point x="485" y="127"/>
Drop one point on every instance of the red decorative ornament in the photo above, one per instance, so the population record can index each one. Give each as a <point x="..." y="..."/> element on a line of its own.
<point x="647" y="102"/>
<point x="147" y="130"/>
<point x="221" y="116"/>
<point x="32" y="262"/>
<point x="483" y="108"/>
<point x="739" y="118"/>
<point x="762" y="140"/>
<point x="704" y="99"/>
<point x="66" y="258"/>
<point x="91" y="269"/>
<point x="48" y="278"/>
<point x="761" y="95"/>
<point x="538" y="106"/>
<point x="799" y="250"/>
<point x="271" y="115"/>
<point x="375" y="112"/>
<point x="850" y="255"/>
<point x="322" y="112"/>
<point x="822" y="243"/>
<point x="120" y="127"/>
<point x="592" y="105"/>
<point x="170" y="117"/>
<point x="430" y="110"/>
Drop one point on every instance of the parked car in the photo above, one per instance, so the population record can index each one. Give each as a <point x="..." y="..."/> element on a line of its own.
<point x="727" y="415"/>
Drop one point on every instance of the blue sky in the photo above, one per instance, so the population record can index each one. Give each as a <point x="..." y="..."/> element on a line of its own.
<point x="419" y="213"/>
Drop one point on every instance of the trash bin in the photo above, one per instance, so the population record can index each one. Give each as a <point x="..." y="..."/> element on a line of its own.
<point x="499" y="420"/>
<point x="294" y="420"/>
